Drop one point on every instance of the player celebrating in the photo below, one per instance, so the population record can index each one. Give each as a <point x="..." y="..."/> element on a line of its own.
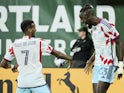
<point x="28" y="53"/>
<point x="105" y="36"/>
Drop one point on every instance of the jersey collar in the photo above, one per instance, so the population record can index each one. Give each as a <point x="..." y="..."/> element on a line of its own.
<point x="26" y="37"/>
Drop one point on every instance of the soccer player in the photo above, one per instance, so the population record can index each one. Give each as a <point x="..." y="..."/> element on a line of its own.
<point x="28" y="53"/>
<point x="105" y="37"/>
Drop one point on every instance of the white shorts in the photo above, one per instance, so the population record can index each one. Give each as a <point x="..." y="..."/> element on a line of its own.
<point x="41" y="89"/>
<point x="103" y="73"/>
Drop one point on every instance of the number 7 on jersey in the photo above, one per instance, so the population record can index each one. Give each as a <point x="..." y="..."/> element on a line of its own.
<point x="26" y="52"/>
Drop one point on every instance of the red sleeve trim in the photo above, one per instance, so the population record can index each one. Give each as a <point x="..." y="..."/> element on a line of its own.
<point x="40" y="52"/>
<point x="111" y="24"/>
<point x="52" y="51"/>
<point x="102" y="28"/>
<point x="11" y="51"/>
<point x="117" y="37"/>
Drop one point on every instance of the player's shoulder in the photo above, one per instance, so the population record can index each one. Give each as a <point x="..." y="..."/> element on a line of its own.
<point x="36" y="39"/>
<point x="17" y="40"/>
<point x="39" y="39"/>
<point x="20" y="40"/>
<point x="106" y="24"/>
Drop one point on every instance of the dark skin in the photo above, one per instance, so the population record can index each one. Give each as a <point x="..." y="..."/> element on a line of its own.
<point x="90" y="19"/>
<point x="31" y="33"/>
<point x="4" y="64"/>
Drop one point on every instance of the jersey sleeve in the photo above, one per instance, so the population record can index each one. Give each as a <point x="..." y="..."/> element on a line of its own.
<point x="46" y="48"/>
<point x="9" y="56"/>
<point x="111" y="31"/>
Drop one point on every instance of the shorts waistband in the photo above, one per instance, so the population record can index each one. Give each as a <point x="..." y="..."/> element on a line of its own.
<point x="32" y="87"/>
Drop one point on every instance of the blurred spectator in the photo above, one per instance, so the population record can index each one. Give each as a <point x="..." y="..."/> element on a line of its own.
<point x="81" y="49"/>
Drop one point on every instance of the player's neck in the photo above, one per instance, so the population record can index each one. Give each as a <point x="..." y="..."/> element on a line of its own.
<point x="28" y="34"/>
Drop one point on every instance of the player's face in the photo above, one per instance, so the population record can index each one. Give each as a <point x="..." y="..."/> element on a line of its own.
<point x="83" y="20"/>
<point x="86" y="19"/>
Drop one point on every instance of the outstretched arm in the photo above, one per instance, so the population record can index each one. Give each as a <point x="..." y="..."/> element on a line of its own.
<point x="61" y="55"/>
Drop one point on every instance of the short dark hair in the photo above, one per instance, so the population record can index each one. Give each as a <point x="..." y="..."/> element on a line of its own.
<point x="86" y="7"/>
<point x="26" y="24"/>
<point x="86" y="10"/>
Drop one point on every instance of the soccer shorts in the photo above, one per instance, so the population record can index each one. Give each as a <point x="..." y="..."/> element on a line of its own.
<point x="103" y="73"/>
<point x="42" y="89"/>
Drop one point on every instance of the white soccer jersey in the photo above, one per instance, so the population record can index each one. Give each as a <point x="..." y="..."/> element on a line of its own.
<point x="28" y="53"/>
<point x="103" y="35"/>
